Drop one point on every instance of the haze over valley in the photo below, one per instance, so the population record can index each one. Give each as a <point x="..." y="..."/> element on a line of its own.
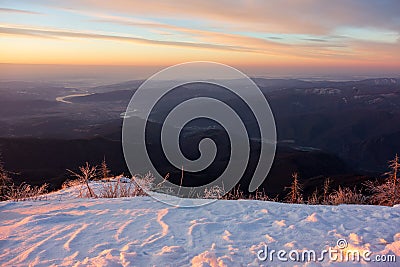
<point x="345" y="130"/>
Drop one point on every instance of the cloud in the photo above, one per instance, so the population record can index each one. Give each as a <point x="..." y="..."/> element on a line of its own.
<point x="46" y="33"/>
<point x="206" y="40"/>
<point x="315" y="40"/>
<point x="273" y="16"/>
<point x="241" y="25"/>
<point x="204" y="35"/>
<point x="275" y="38"/>
<point x="280" y="30"/>
<point x="140" y="23"/>
<point x="12" y="10"/>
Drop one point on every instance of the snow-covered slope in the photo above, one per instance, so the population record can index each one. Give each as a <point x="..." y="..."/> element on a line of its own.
<point x="67" y="231"/>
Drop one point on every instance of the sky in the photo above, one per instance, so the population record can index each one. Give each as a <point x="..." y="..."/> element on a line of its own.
<point x="259" y="37"/>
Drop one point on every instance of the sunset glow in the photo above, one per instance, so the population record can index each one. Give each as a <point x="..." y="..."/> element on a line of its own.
<point x="252" y="34"/>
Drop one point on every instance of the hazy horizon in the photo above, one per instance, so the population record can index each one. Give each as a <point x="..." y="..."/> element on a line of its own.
<point x="91" y="75"/>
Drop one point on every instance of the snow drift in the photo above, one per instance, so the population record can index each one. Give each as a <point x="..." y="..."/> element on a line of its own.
<point x="67" y="231"/>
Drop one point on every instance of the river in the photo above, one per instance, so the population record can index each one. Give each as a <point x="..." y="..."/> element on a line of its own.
<point x="63" y="98"/>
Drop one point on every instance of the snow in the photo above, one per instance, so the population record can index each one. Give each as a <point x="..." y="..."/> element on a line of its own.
<point x="323" y="91"/>
<point x="64" y="230"/>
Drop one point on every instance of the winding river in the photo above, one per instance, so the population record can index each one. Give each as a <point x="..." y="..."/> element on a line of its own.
<point x="63" y="98"/>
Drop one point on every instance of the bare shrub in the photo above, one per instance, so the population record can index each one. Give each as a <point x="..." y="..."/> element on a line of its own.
<point x="383" y="193"/>
<point x="317" y="198"/>
<point x="314" y="199"/>
<point x="129" y="190"/>
<point x="135" y="187"/>
<point x="5" y="181"/>
<point x="164" y="188"/>
<point x="109" y="190"/>
<point x="87" y="174"/>
<point x="71" y="183"/>
<point x="82" y="190"/>
<point x="25" y="192"/>
<point x="234" y="194"/>
<point x="215" y="192"/>
<point x="346" y="195"/>
<point x="161" y="187"/>
<point x="115" y="189"/>
<point x="388" y="192"/>
<point x="143" y="184"/>
<point x="262" y="196"/>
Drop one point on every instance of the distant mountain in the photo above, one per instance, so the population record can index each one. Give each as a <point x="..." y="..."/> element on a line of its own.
<point x="354" y="124"/>
<point x="46" y="160"/>
<point x="129" y="85"/>
<point x="339" y="117"/>
<point x="112" y="96"/>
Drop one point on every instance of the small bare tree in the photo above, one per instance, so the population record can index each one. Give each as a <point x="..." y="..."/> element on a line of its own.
<point x="295" y="190"/>
<point x="87" y="174"/>
<point x="105" y="171"/>
<point x="325" y="196"/>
